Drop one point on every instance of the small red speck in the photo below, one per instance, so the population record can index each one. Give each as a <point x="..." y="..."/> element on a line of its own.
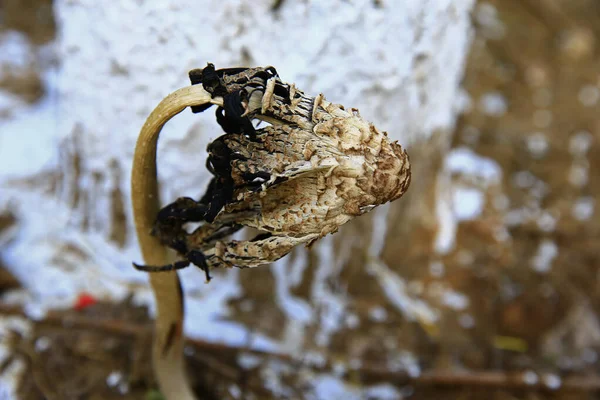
<point x="84" y="300"/>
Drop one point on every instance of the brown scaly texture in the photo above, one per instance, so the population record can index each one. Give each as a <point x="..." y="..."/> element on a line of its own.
<point x="326" y="165"/>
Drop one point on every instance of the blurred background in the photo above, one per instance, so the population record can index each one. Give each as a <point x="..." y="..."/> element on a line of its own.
<point x="482" y="282"/>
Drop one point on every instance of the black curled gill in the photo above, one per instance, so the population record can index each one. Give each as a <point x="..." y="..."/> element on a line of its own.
<point x="232" y="84"/>
<point x="232" y="116"/>
<point x="194" y="257"/>
<point x="220" y="189"/>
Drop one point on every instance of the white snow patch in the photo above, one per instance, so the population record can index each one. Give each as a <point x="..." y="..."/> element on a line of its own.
<point x="546" y="253"/>
<point x="546" y="221"/>
<point x="331" y="304"/>
<point x="11" y="379"/>
<point x="383" y="391"/>
<point x="580" y="143"/>
<point x="589" y="95"/>
<point x="42" y="344"/>
<point x="552" y="381"/>
<point x="583" y="208"/>
<point x="530" y="377"/>
<point x="378" y="314"/>
<point x="404" y="361"/>
<point x="395" y="290"/>
<point x="235" y="391"/>
<point x="339" y="368"/>
<point x="15" y="50"/>
<point x="447" y="223"/>
<point x="352" y="321"/>
<point x="293" y="336"/>
<point x="537" y="144"/>
<point x="9" y="102"/>
<point x="578" y="174"/>
<point x="330" y="387"/>
<point x="493" y="104"/>
<point x="455" y="300"/>
<point x="464" y="201"/>
<point x="28" y="139"/>
<point x="287" y="275"/>
<point x="314" y="358"/>
<point x="464" y="102"/>
<point x="468" y="203"/>
<point x="248" y="360"/>
<point x="114" y="378"/>
<point x="463" y="160"/>
<point x="486" y="15"/>
<point x="207" y="309"/>
<point x="379" y="231"/>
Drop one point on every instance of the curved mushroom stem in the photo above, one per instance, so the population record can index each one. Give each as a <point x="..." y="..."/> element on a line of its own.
<point x="167" y="349"/>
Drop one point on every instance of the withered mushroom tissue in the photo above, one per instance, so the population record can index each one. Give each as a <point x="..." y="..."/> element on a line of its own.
<point x="312" y="168"/>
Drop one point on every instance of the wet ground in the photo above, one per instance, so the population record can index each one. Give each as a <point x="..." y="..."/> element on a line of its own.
<point x="528" y="260"/>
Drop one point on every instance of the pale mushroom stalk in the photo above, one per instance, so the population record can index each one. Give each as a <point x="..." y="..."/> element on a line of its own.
<point x="167" y="352"/>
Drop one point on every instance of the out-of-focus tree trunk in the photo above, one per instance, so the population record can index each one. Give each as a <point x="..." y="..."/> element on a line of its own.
<point x="398" y="62"/>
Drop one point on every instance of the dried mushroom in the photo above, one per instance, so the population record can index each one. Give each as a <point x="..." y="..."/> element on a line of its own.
<point x="314" y="168"/>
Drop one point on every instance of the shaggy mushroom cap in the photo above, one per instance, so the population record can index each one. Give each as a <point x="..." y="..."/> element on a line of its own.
<point x="316" y="167"/>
